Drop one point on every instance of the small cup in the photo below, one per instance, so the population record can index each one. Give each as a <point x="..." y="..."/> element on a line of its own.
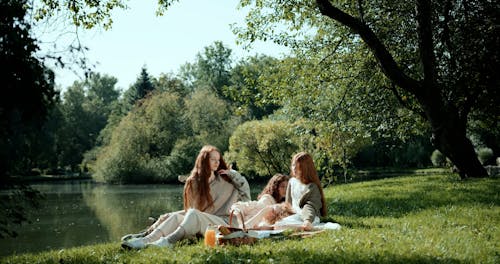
<point x="210" y="236"/>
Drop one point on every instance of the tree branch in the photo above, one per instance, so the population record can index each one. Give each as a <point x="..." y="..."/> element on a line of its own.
<point x="388" y="65"/>
<point x="426" y="46"/>
<point x="392" y="87"/>
<point x="361" y="11"/>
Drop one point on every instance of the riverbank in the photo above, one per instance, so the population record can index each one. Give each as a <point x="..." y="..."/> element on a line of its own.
<point x="406" y="219"/>
<point x="54" y="178"/>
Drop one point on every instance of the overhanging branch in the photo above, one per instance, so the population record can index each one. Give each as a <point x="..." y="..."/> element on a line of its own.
<point x="387" y="62"/>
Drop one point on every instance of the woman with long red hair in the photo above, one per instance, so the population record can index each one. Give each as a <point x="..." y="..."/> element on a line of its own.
<point x="209" y="192"/>
<point x="304" y="193"/>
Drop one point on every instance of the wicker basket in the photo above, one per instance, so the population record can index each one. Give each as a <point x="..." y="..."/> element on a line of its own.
<point x="228" y="235"/>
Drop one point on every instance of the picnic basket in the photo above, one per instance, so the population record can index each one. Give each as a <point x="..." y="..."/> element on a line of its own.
<point x="229" y="235"/>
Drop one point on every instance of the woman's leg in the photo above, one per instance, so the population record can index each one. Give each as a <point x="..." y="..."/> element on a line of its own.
<point x="194" y="222"/>
<point x="166" y="227"/>
<point x="162" y="219"/>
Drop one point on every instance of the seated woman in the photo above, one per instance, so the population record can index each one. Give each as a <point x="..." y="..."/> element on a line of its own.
<point x="239" y="182"/>
<point x="209" y="191"/>
<point x="304" y="194"/>
<point x="304" y="202"/>
<point x="253" y="211"/>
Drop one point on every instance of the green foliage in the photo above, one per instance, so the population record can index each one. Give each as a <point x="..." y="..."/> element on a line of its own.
<point x="385" y="47"/>
<point x="388" y="152"/>
<point x="415" y="219"/>
<point x="29" y="88"/>
<point x="211" y="70"/>
<point x="139" y="90"/>
<point x="85" y="111"/>
<point x="209" y="118"/>
<point x="485" y="156"/>
<point x="438" y="159"/>
<point x="83" y="13"/>
<point x="169" y="83"/>
<point x="245" y="89"/>
<point x="262" y="148"/>
<point x="141" y="141"/>
<point x="27" y="99"/>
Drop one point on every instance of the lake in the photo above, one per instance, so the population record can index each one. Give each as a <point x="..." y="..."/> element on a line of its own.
<point x="78" y="213"/>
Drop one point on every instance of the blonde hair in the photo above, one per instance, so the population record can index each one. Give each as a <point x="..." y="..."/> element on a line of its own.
<point x="306" y="173"/>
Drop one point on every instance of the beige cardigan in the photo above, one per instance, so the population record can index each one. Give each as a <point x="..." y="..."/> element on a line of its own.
<point x="223" y="193"/>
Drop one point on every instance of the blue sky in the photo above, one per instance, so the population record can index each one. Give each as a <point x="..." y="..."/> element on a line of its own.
<point x="138" y="37"/>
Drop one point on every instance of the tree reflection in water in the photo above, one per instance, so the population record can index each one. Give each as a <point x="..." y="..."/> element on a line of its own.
<point x="78" y="213"/>
<point x="126" y="209"/>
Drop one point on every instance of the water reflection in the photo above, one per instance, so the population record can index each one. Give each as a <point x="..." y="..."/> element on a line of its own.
<point x="126" y="209"/>
<point x="78" y="213"/>
<point x="81" y="213"/>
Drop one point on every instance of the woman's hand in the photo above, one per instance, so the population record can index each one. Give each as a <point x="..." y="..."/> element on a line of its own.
<point x="223" y="172"/>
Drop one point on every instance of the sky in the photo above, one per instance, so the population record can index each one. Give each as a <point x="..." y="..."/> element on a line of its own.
<point x="139" y="38"/>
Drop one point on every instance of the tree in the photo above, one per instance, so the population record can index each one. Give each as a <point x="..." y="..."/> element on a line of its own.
<point x="29" y="96"/>
<point x="139" y="90"/>
<point x="434" y="54"/>
<point x="245" y="90"/>
<point x="73" y="136"/>
<point x="210" y="119"/>
<point x="212" y="69"/>
<point x="263" y="147"/>
<point x="439" y="55"/>
<point x="171" y="84"/>
<point x="140" y="145"/>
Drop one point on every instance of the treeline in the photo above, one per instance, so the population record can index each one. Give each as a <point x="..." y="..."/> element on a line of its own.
<point x="254" y="110"/>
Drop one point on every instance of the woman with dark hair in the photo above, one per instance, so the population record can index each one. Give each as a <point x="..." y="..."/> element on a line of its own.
<point x="209" y="192"/>
<point x="254" y="212"/>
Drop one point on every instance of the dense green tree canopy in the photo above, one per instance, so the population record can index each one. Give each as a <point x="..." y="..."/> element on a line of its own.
<point x="28" y="96"/>
<point x="432" y="54"/>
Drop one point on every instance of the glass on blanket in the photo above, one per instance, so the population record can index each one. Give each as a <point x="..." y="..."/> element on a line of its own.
<point x="210" y="236"/>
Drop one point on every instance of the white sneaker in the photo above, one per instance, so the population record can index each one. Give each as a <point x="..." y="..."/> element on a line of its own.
<point x="162" y="242"/>
<point x="130" y="236"/>
<point x="134" y="243"/>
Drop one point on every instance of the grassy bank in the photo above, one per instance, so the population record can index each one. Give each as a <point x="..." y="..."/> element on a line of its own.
<point x="409" y="219"/>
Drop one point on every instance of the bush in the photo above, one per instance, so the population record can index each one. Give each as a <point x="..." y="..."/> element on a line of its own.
<point x="142" y="141"/>
<point x="179" y="162"/>
<point x="485" y="156"/>
<point x="262" y="148"/>
<point x="438" y="159"/>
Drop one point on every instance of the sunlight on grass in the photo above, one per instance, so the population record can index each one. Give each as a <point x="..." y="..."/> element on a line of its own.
<point x="411" y="219"/>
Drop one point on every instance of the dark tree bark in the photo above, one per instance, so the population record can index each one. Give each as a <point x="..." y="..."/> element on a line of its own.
<point x="447" y="122"/>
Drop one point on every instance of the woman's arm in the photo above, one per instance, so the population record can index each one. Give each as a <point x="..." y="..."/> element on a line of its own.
<point x="250" y="209"/>
<point x="241" y="184"/>
<point x="311" y="204"/>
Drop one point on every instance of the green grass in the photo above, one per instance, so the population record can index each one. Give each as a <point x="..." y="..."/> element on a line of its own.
<point x="408" y="219"/>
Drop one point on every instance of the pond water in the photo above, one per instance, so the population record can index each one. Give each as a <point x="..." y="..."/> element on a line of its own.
<point x="78" y="213"/>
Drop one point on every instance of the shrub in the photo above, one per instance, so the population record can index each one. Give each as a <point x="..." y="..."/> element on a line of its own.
<point x="262" y="148"/>
<point x="438" y="159"/>
<point x="142" y="141"/>
<point x="485" y="156"/>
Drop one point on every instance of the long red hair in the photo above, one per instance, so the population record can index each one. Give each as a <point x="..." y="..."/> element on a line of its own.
<point x="201" y="174"/>
<point x="306" y="173"/>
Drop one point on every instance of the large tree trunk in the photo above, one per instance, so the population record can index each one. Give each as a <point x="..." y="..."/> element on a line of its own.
<point x="449" y="133"/>
<point x="449" y="137"/>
